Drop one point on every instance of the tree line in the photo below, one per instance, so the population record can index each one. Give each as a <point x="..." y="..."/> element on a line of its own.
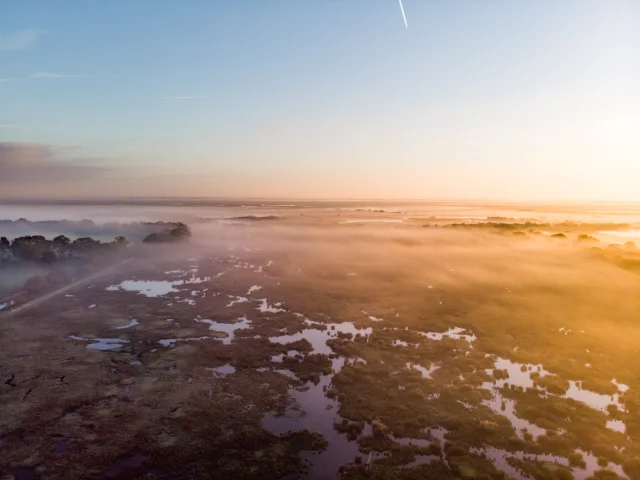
<point x="37" y="248"/>
<point x="134" y="231"/>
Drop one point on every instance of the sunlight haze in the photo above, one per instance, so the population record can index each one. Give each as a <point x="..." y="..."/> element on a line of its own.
<point x="321" y="99"/>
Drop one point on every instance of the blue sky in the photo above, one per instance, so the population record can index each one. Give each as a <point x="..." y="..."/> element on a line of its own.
<point x="535" y="99"/>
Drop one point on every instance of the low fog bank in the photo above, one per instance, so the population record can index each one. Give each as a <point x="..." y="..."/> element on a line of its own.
<point x="452" y="273"/>
<point x="554" y="276"/>
<point x="410" y="252"/>
<point x="150" y="209"/>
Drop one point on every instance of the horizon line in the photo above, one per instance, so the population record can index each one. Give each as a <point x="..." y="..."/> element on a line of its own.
<point x="78" y="199"/>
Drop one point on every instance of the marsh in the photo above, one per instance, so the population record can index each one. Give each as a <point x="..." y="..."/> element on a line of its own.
<point x="308" y="347"/>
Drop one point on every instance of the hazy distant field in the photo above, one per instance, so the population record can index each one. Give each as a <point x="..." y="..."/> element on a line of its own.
<point x="344" y="340"/>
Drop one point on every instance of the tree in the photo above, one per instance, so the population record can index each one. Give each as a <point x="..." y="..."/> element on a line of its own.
<point x="583" y="237"/>
<point x="29" y="247"/>
<point x="152" y="238"/>
<point x="119" y="243"/>
<point x="23" y="248"/>
<point x="49" y="256"/>
<point x="181" y="231"/>
<point x="61" y="244"/>
<point x="84" y="244"/>
<point x="5" y="249"/>
<point x="62" y="240"/>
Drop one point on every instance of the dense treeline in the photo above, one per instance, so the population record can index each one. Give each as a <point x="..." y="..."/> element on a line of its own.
<point x="530" y="225"/>
<point x="135" y="231"/>
<point x="37" y="248"/>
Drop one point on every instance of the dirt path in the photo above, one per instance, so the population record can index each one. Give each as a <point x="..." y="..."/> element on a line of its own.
<point x="50" y="295"/>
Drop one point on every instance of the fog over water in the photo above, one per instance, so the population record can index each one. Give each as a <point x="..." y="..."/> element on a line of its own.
<point x="436" y="338"/>
<point x="166" y="210"/>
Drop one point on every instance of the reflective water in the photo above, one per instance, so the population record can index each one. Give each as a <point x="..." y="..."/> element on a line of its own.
<point x="621" y="386"/>
<point x="318" y="338"/>
<point x="148" y="288"/>
<point x="373" y="318"/>
<point x="237" y="300"/>
<point x="314" y="411"/>
<point x="499" y="458"/>
<point x="506" y="407"/>
<point x="132" y="323"/>
<point x="454" y="333"/>
<point x="102" y="343"/>
<point x="617" y="425"/>
<point x="223" y="370"/>
<point x="518" y="374"/>
<point x="592" y="399"/>
<point x="155" y="288"/>
<point x="243" y="323"/>
<point x="266" y="308"/>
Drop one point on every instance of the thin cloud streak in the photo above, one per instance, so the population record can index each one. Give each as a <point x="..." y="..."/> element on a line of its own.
<point x="57" y="75"/>
<point x="11" y="79"/>
<point x="403" y="15"/>
<point x="20" y="39"/>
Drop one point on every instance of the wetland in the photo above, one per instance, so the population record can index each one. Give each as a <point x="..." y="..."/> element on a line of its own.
<point x="333" y="341"/>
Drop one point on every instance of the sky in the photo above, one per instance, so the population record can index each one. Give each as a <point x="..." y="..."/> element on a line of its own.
<point x="496" y="100"/>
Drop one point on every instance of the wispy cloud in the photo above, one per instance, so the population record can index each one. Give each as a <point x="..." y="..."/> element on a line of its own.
<point x="32" y="164"/>
<point x="57" y="75"/>
<point x="8" y="80"/>
<point x="20" y="39"/>
<point x="185" y="97"/>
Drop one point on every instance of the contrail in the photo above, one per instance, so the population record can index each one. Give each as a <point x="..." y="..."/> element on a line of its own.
<point x="403" y="15"/>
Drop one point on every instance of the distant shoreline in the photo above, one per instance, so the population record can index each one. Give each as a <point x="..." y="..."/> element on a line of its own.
<point x="293" y="203"/>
